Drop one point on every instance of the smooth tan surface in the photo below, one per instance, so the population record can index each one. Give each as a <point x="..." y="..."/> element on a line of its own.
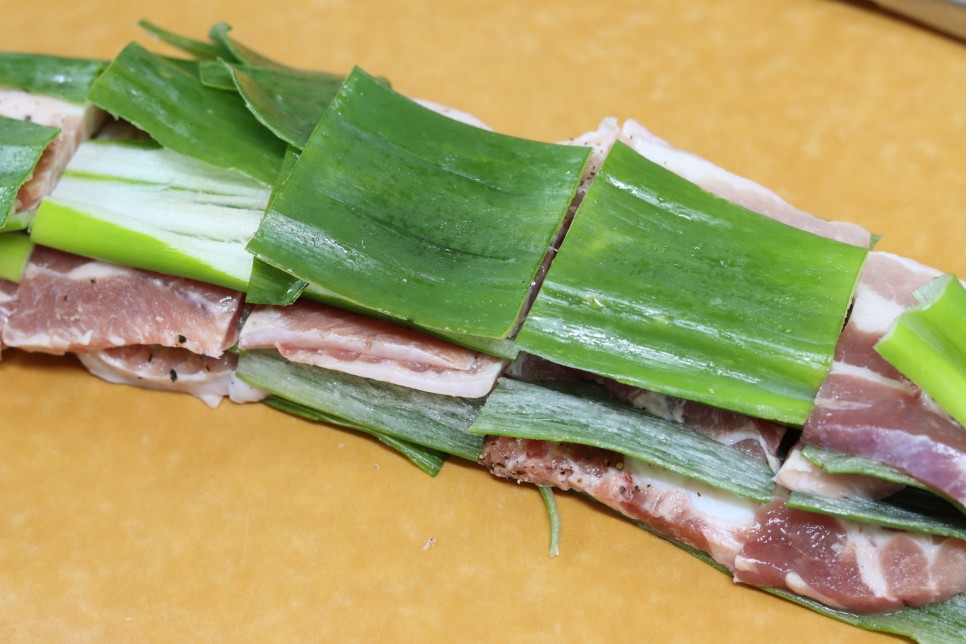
<point x="135" y="516"/>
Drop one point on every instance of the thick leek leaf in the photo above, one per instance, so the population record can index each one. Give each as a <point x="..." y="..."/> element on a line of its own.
<point x="268" y="285"/>
<point x="216" y="74"/>
<point x="148" y="207"/>
<point x="416" y="216"/>
<point x="239" y="52"/>
<point x="664" y="286"/>
<point x="14" y="251"/>
<point x="65" y="78"/>
<point x="197" y="48"/>
<point x="21" y="145"/>
<point x="525" y="410"/>
<point x="928" y="344"/>
<point x="430" y="461"/>
<point x="166" y="99"/>
<point x="288" y="102"/>
<point x="429" y="420"/>
<point x="888" y="513"/>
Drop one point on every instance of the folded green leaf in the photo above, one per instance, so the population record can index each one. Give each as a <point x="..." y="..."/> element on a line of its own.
<point x="216" y="74"/>
<point x="428" y="460"/>
<point x="927" y="343"/>
<point x="417" y="217"/>
<point x="430" y="420"/>
<point x="239" y="52"/>
<point x="21" y="145"/>
<point x="166" y="99"/>
<point x="197" y="48"/>
<point x="141" y="205"/>
<point x="14" y="251"/>
<point x="268" y="285"/>
<point x="525" y="410"/>
<point x="662" y="285"/>
<point x="65" y="78"/>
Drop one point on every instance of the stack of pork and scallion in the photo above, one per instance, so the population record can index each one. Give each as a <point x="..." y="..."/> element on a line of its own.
<point x="608" y="315"/>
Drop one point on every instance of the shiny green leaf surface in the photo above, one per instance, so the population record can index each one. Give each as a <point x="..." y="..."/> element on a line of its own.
<point x="65" y="78"/>
<point x="525" y="410"/>
<point x="661" y="285"/>
<point x="430" y="420"/>
<point x="21" y="145"/>
<point x="14" y="251"/>
<point x="417" y="217"/>
<point x="167" y="99"/>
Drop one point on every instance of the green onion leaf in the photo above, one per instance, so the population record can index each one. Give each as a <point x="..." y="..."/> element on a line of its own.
<point x="239" y="52"/>
<point x="430" y="420"/>
<point x="428" y="460"/>
<point x="927" y="344"/>
<point x="417" y="217"/>
<point x="166" y="99"/>
<point x="662" y="285"/>
<point x="14" y="252"/>
<point x="197" y="48"/>
<point x="216" y="74"/>
<point x="21" y="145"/>
<point x="888" y="513"/>
<point x="144" y="206"/>
<point x="268" y="285"/>
<point x="550" y="501"/>
<point x="525" y="410"/>
<point x="65" y="78"/>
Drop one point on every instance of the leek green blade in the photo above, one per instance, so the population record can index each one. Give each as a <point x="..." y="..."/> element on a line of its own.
<point x="14" y="251"/>
<point x="884" y="513"/>
<point x="927" y="344"/>
<point x="17" y="221"/>
<point x="21" y="145"/>
<point x="151" y="208"/>
<point x="167" y="99"/>
<point x="197" y="48"/>
<point x="288" y="102"/>
<point x="239" y="52"/>
<point x="662" y="285"/>
<point x="216" y="74"/>
<point x="65" y="78"/>
<point x="428" y="460"/>
<point x="525" y="410"/>
<point x="418" y="217"/>
<point x="268" y="285"/>
<point x="430" y="420"/>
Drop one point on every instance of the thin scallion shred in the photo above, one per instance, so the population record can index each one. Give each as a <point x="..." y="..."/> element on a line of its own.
<point x="550" y="501"/>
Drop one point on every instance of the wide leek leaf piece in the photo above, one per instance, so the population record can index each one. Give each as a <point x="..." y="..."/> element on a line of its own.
<point x="21" y="145"/>
<point x="417" y="217"/>
<point x="15" y="250"/>
<point x="428" y="460"/>
<point x="141" y="205"/>
<point x="890" y="513"/>
<point x="200" y="49"/>
<point x="167" y="99"/>
<point x="662" y="285"/>
<point x="927" y="343"/>
<point x="430" y="420"/>
<point x="526" y="410"/>
<point x="65" y="78"/>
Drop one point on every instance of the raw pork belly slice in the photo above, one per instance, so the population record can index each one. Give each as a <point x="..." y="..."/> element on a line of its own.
<point x="76" y="123"/>
<point x="849" y="565"/>
<point x="70" y="304"/>
<point x="692" y="513"/>
<point x="8" y="299"/>
<point x="739" y="190"/>
<point x="865" y="407"/>
<point x="331" y="338"/>
<point x="167" y="369"/>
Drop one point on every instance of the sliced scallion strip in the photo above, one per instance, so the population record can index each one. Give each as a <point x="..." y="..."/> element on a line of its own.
<point x="838" y="463"/>
<point x="144" y="206"/>
<point x="14" y="251"/>
<point x="884" y="513"/>
<point x="428" y="460"/>
<point x="550" y="501"/>
<point x="197" y="48"/>
<point x="927" y="344"/>
<point x="167" y="99"/>
<point x="65" y="78"/>
<point x="22" y="143"/>
<point x="525" y="410"/>
<point x="662" y="285"/>
<point x="433" y="421"/>
<point x="418" y="217"/>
